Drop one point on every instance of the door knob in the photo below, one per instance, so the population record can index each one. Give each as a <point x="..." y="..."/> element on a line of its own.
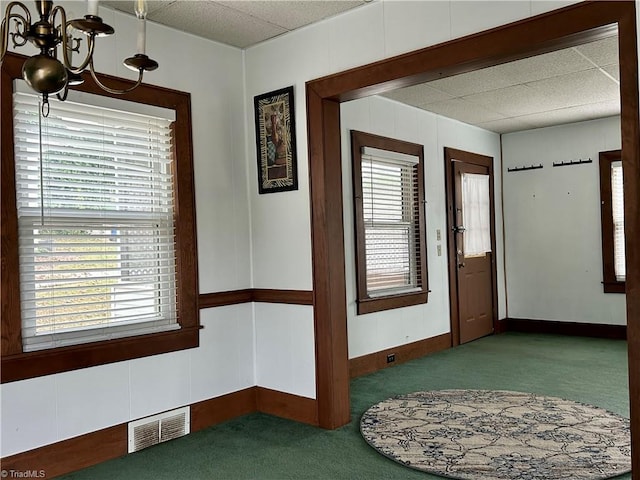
<point x="458" y="229"/>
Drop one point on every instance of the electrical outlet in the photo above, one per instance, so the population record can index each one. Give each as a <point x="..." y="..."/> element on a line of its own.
<point x="391" y="357"/>
<point x="439" y="250"/>
<point x="438" y="235"/>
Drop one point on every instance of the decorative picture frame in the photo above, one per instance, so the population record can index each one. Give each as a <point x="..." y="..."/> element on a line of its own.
<point x="276" y="141"/>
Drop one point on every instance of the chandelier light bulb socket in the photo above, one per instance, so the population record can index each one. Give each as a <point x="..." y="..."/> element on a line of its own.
<point x="44" y="8"/>
<point x="44" y="74"/>
<point x="74" y="79"/>
<point x="92" y="25"/>
<point x="140" y="62"/>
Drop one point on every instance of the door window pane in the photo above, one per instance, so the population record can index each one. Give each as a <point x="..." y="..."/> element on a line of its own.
<point x="476" y="216"/>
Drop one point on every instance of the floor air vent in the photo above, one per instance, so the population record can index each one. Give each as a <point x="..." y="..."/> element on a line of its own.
<point x="159" y="428"/>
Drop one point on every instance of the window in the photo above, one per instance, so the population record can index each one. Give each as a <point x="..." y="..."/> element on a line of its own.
<point x="391" y="269"/>
<point x="94" y="193"/>
<point x="612" y="217"/>
<point x="98" y="249"/>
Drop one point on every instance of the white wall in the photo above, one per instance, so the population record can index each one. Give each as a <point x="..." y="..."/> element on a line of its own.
<point x="44" y="410"/>
<point x="378" y="115"/>
<point x="552" y="224"/>
<point x="285" y="349"/>
<point x="280" y="223"/>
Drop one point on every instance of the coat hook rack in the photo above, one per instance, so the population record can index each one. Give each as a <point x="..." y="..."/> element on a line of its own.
<point x="523" y="168"/>
<point x="572" y="162"/>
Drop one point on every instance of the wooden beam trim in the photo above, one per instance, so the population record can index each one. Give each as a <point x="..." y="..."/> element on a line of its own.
<point x="332" y="366"/>
<point x="631" y="167"/>
<point x="293" y="297"/>
<point x="263" y="295"/>
<point x="505" y="43"/>
<point x="221" y="299"/>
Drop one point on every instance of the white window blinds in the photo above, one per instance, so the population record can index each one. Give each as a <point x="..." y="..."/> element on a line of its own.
<point x="391" y="221"/>
<point x="95" y="207"/>
<point x="476" y="216"/>
<point x="617" y="208"/>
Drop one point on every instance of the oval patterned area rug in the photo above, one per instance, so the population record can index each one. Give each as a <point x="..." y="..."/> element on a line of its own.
<point x="499" y="435"/>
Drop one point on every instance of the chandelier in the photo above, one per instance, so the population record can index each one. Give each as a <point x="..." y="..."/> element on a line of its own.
<point x="51" y="71"/>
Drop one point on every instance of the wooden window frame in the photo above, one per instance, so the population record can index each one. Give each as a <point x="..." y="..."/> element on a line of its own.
<point x="609" y="283"/>
<point x="365" y="302"/>
<point x="18" y="365"/>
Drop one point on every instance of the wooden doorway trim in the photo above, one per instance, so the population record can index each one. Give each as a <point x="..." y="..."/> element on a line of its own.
<point x="563" y="28"/>
<point x="484" y="161"/>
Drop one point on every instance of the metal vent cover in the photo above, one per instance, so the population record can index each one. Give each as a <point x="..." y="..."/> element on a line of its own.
<point x="159" y="428"/>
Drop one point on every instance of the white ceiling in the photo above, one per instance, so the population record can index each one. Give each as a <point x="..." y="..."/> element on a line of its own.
<point x="240" y="23"/>
<point x="576" y="84"/>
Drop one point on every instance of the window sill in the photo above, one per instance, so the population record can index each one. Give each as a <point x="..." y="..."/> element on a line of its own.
<point x="614" y="287"/>
<point x="46" y="362"/>
<point x="370" y="305"/>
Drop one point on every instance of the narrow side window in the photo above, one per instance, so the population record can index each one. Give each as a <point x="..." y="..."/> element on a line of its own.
<point x="390" y="227"/>
<point x="612" y="218"/>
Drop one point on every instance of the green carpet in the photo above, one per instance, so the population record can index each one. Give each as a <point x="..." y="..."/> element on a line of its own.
<point x="260" y="446"/>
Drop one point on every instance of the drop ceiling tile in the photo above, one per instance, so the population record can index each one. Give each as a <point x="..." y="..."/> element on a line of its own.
<point x="602" y="52"/>
<point x="573" y="114"/>
<point x="589" y="86"/>
<point x="580" y="88"/>
<point x="514" y="101"/>
<point x="506" y="125"/>
<point x="216" y="22"/>
<point x="291" y="14"/>
<point x="543" y="66"/>
<point x="418" y="95"/>
<point x="463" y="111"/>
<point x="477" y="81"/>
<point x="613" y="70"/>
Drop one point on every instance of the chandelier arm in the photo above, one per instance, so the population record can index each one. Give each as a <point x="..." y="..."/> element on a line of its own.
<point x="66" y="40"/>
<point x="62" y="31"/>
<point x="91" y="43"/>
<point x="112" y="90"/>
<point x="4" y="39"/>
<point x="63" y="97"/>
<point x="21" y="21"/>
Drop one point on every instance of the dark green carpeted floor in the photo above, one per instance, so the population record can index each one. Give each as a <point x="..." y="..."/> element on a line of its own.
<point x="264" y="447"/>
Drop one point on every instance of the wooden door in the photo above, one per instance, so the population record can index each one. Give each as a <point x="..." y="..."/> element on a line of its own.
<point x="471" y="245"/>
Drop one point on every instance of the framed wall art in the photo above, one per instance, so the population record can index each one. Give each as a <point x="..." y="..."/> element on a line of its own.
<point x="276" y="141"/>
